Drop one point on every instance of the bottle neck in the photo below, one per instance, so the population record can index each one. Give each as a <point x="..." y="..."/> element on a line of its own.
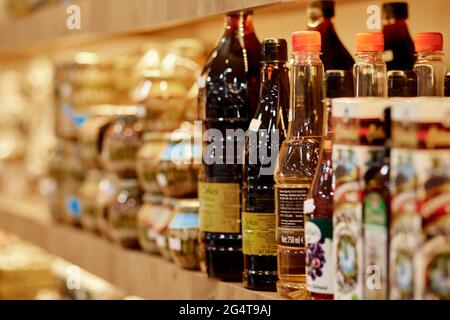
<point x="369" y="56"/>
<point x="430" y="55"/>
<point x="239" y="24"/>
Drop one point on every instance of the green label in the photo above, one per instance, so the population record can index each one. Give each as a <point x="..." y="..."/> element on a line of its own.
<point x="375" y="209"/>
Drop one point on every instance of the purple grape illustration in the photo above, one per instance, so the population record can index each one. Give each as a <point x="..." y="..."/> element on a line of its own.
<point x="315" y="259"/>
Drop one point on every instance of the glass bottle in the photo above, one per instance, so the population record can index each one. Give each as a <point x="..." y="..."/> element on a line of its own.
<point x="297" y="161"/>
<point x="227" y="100"/>
<point x="369" y="71"/>
<point x="339" y="83"/>
<point x="267" y="131"/>
<point x="399" y="46"/>
<point x="430" y="66"/>
<point x="447" y="84"/>
<point x="402" y="83"/>
<point x="335" y="56"/>
<point x="376" y="211"/>
<point x="319" y="222"/>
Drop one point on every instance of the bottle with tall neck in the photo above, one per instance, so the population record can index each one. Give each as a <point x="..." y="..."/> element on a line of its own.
<point x="399" y="46"/>
<point x="227" y="101"/>
<point x="267" y="131"/>
<point x="370" y="71"/>
<point x="297" y="161"/>
<point x="319" y="221"/>
<point x="320" y="18"/>
<point x="430" y="66"/>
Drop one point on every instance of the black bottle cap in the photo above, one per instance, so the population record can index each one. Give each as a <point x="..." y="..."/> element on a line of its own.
<point x="395" y="10"/>
<point x="339" y="83"/>
<point x="402" y="83"/>
<point x="273" y="49"/>
<point x="326" y="6"/>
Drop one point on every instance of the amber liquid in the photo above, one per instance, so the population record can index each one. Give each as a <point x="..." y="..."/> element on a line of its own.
<point x="228" y="101"/>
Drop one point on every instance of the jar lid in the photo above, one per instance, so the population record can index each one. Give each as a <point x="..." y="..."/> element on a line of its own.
<point x="369" y="41"/>
<point x="187" y="205"/>
<point x="117" y="110"/>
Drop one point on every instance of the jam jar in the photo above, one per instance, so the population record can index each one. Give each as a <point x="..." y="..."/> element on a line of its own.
<point x="147" y="160"/>
<point x="149" y="216"/>
<point x="161" y="227"/>
<point x="90" y="134"/>
<point x="106" y="193"/>
<point x="184" y="234"/>
<point x="121" y="142"/>
<point x="87" y="195"/>
<point x="122" y="213"/>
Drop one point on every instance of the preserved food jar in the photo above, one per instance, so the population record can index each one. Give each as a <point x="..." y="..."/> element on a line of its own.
<point x="184" y="234"/>
<point x="161" y="227"/>
<point x="121" y="142"/>
<point x="89" y="138"/>
<point x="147" y="160"/>
<point x="148" y="218"/>
<point x="87" y="195"/>
<point x="105" y="197"/>
<point x="122" y="214"/>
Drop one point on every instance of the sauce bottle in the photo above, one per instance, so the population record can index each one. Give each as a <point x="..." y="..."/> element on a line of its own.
<point x="430" y="66"/>
<point x="267" y="131"/>
<point x="369" y="71"/>
<point x="297" y="161"/>
<point x="335" y="55"/>
<point x="319" y="222"/>
<point x="227" y="101"/>
<point x="399" y="46"/>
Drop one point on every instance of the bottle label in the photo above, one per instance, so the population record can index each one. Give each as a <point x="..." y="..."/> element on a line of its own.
<point x="185" y="221"/>
<point x="258" y="234"/>
<point x="375" y="246"/>
<point x="290" y="216"/>
<point x="319" y="255"/>
<point x="220" y="207"/>
<point x="254" y="125"/>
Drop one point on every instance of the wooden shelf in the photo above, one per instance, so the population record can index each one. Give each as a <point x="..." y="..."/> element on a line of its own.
<point x="102" y="18"/>
<point x="135" y="272"/>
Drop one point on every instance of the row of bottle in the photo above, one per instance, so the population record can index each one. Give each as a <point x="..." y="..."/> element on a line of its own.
<point x="270" y="247"/>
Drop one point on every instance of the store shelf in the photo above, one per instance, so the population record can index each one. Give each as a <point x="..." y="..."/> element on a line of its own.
<point x="135" y="272"/>
<point x="103" y="18"/>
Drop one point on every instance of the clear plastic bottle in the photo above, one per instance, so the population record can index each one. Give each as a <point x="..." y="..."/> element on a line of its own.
<point x="370" y="71"/>
<point x="430" y="66"/>
<point x="297" y="161"/>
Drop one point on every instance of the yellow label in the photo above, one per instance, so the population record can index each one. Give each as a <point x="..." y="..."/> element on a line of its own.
<point x="258" y="234"/>
<point x="220" y="207"/>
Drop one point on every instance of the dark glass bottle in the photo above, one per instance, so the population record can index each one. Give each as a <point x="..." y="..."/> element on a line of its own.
<point x="335" y="56"/>
<point x="447" y="84"/>
<point x="261" y="151"/>
<point x="227" y="102"/>
<point x="376" y="211"/>
<point x="402" y="83"/>
<point x="319" y="217"/>
<point x="399" y="45"/>
<point x="339" y="83"/>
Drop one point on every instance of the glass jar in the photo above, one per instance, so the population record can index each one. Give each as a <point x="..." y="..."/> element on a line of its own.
<point x="89" y="137"/>
<point x="161" y="227"/>
<point x="107" y="191"/>
<point x="148" y="216"/>
<point x="121" y="142"/>
<point x="147" y="160"/>
<point x="164" y="98"/>
<point x="179" y="164"/>
<point x="184" y="235"/>
<point x="122" y="213"/>
<point x="87" y="195"/>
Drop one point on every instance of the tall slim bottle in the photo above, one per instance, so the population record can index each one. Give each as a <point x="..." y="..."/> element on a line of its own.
<point x="319" y="221"/>
<point x="320" y="18"/>
<point x="268" y="130"/>
<point x="370" y="71"/>
<point x="227" y="101"/>
<point x="297" y="161"/>
<point x="430" y="66"/>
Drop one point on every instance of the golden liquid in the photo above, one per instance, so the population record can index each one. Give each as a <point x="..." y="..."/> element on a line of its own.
<point x="296" y="167"/>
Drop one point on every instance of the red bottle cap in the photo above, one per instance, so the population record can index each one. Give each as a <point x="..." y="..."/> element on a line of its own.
<point x="429" y="41"/>
<point x="309" y="41"/>
<point x="369" y="41"/>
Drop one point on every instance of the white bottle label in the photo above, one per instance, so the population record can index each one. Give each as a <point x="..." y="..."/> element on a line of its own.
<point x="254" y="125"/>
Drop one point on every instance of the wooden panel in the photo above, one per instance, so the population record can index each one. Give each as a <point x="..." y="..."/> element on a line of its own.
<point x="135" y="272"/>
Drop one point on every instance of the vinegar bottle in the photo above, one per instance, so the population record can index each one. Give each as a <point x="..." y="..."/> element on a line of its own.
<point x="320" y="18"/>
<point x="227" y="101"/>
<point x="319" y="222"/>
<point x="369" y="71"/>
<point x="430" y="66"/>
<point x="267" y="131"/>
<point x="297" y="161"/>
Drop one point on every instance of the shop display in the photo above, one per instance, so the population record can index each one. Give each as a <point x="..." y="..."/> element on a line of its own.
<point x="122" y="213"/>
<point x="370" y="71"/>
<point x="150" y="215"/>
<point x="183" y="235"/>
<point x="297" y="161"/>
<point x="161" y="226"/>
<point x="334" y="55"/>
<point x="88" y="194"/>
<point x="318" y="210"/>
<point x="228" y="98"/>
<point x="399" y="46"/>
<point x="430" y="66"/>
<point x="269" y="128"/>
